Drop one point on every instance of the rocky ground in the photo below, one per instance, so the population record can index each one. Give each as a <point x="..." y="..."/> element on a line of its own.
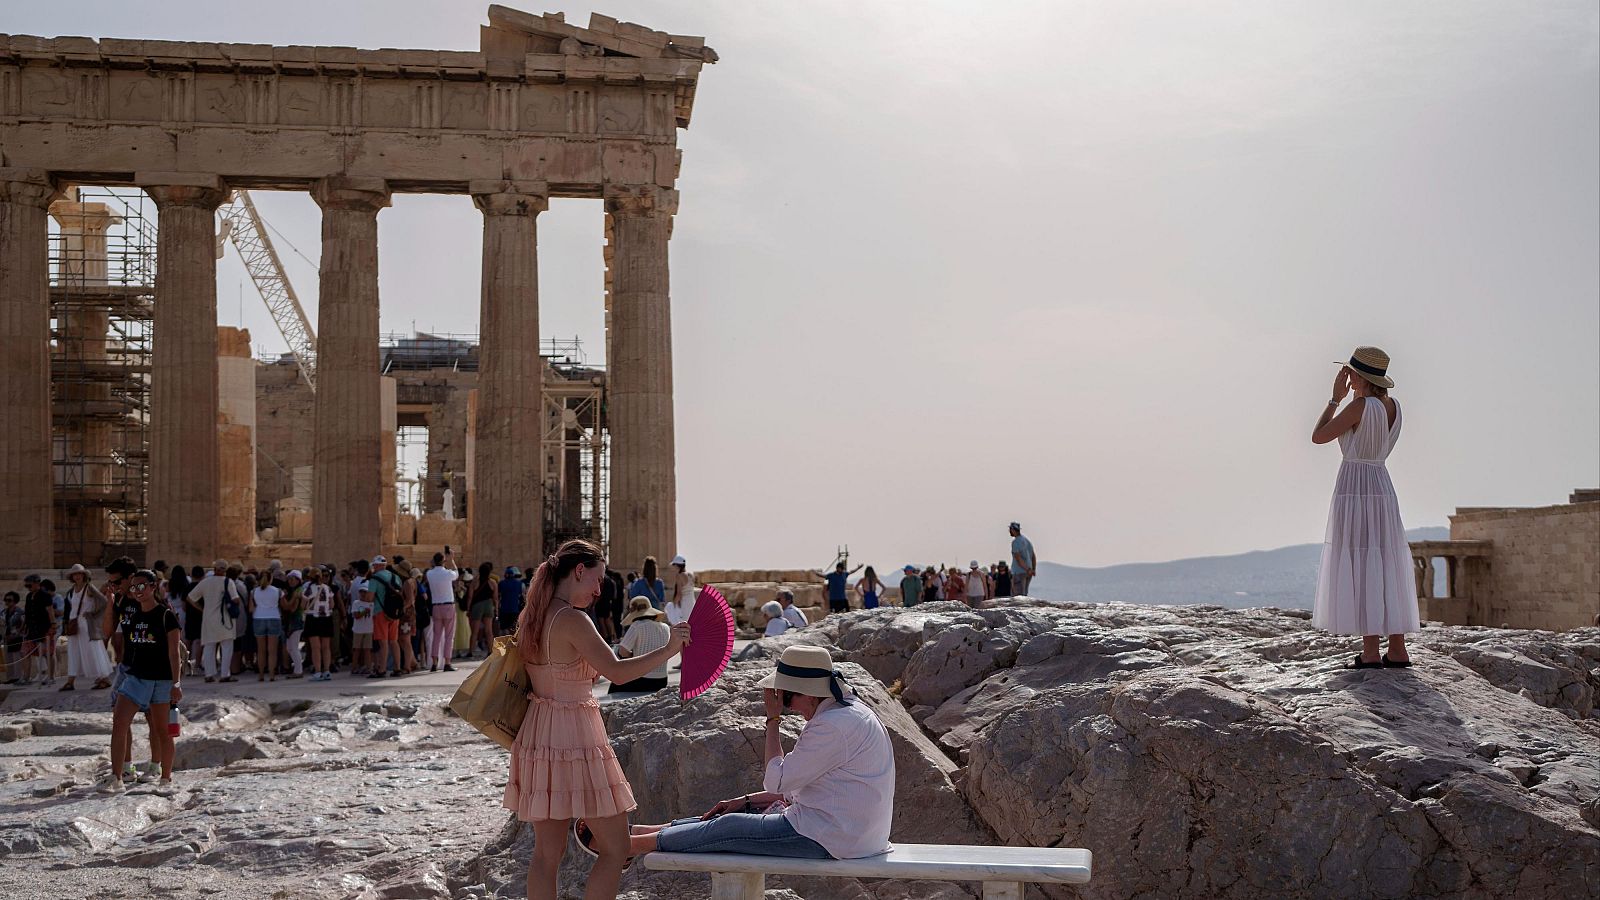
<point x="1199" y="752"/>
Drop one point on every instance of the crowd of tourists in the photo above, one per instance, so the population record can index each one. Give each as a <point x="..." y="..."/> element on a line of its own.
<point x="972" y="585"/>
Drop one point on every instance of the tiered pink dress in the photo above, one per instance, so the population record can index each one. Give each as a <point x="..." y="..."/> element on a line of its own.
<point x="562" y="764"/>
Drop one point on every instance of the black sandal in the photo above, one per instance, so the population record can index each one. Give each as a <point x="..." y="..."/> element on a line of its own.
<point x="1358" y="664"/>
<point x="1388" y="663"/>
<point x="584" y="837"/>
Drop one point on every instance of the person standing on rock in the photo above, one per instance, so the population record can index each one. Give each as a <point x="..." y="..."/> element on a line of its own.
<point x="839" y="587"/>
<point x="681" y="593"/>
<point x="148" y="643"/>
<point x="831" y="797"/>
<point x="562" y="764"/>
<point x="1002" y="580"/>
<point x="910" y="586"/>
<point x="1024" y="562"/>
<point x="870" y="588"/>
<point x="1365" y="585"/>
<point x="977" y="585"/>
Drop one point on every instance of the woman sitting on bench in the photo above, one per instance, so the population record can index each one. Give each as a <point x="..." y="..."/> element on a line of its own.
<point x="831" y="797"/>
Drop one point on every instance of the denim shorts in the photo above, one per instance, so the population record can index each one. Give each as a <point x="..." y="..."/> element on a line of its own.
<point x="267" y="627"/>
<point x="145" y="693"/>
<point x="756" y="834"/>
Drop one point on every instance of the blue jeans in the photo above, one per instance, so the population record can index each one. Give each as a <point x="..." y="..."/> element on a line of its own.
<point x="756" y="834"/>
<point x="145" y="693"/>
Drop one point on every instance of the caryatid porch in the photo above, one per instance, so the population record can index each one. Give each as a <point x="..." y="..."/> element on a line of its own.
<point x="543" y="109"/>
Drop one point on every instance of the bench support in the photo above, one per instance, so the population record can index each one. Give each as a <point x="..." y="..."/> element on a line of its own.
<point x="1002" y="890"/>
<point x="743" y="886"/>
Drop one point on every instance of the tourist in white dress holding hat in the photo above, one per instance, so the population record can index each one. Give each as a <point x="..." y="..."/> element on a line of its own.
<point x="1366" y="584"/>
<point x="87" y="656"/>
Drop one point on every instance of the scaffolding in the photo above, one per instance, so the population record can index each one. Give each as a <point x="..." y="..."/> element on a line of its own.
<point x="102" y="260"/>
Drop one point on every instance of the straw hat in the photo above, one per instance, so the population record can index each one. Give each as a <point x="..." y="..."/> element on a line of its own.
<point x="77" y="569"/>
<point x="1372" y="364"/>
<point x="640" y="608"/>
<point x="808" y="671"/>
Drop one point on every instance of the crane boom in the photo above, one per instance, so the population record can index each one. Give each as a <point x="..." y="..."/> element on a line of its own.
<point x="239" y="221"/>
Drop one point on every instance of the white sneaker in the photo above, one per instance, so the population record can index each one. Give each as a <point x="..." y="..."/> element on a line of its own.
<point x="149" y="773"/>
<point x="111" y="785"/>
<point x="164" y="788"/>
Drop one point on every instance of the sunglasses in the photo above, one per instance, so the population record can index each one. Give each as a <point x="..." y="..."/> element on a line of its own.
<point x="141" y="586"/>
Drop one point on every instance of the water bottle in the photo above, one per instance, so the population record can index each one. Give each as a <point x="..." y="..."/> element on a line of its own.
<point x="172" y="721"/>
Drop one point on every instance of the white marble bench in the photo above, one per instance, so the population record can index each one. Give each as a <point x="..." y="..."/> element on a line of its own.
<point x="1002" y="870"/>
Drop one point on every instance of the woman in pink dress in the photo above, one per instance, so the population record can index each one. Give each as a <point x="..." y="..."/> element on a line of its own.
<point x="562" y="764"/>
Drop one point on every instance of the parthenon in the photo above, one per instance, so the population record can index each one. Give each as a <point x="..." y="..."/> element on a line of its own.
<point x="543" y="109"/>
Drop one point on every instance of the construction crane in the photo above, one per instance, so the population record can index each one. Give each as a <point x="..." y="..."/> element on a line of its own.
<point x="238" y="221"/>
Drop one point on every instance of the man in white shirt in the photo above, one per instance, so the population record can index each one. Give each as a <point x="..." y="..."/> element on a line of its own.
<point x="442" y="588"/>
<point x="791" y="613"/>
<point x="831" y="797"/>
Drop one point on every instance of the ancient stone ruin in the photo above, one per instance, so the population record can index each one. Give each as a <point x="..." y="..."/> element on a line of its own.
<point x="543" y="109"/>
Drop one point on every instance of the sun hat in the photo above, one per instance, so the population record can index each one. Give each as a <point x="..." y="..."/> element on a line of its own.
<point x="640" y="608"/>
<point x="974" y="564"/>
<point x="1371" y="364"/>
<point x="77" y="569"/>
<point x="295" y="573"/>
<point x="679" y="561"/>
<point x="808" y="671"/>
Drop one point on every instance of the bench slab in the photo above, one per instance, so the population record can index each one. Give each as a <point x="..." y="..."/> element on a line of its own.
<point x="937" y="862"/>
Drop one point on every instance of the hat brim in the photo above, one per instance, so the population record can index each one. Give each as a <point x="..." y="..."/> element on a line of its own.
<point x="810" y="687"/>
<point x="1382" y="381"/>
<point x="651" y="613"/>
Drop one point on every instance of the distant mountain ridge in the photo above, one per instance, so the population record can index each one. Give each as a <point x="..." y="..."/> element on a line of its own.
<point x="1285" y="577"/>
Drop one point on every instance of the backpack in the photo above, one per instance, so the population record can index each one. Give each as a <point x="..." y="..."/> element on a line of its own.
<point x="393" y="600"/>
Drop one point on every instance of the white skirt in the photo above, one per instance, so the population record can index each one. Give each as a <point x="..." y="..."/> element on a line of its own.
<point x="87" y="657"/>
<point x="1367" y="584"/>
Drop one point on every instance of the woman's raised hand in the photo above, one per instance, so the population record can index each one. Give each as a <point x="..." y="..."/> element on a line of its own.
<point x="1341" y="383"/>
<point x="679" y="638"/>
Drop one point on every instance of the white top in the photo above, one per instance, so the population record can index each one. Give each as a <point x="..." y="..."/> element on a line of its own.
<point x="646" y="636"/>
<point x="441" y="583"/>
<point x="360" y="608"/>
<point x="319" y="600"/>
<point x="794" y="616"/>
<point x="839" y="780"/>
<point x="266" y="602"/>
<point x="777" y="625"/>
<point x="679" y="612"/>
<point x="974" y="584"/>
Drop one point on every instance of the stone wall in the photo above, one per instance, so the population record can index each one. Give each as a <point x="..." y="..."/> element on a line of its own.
<point x="284" y="419"/>
<point x="236" y="438"/>
<point x="1543" y="571"/>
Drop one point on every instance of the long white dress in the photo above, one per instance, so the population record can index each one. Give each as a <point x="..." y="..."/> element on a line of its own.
<point x="86" y="656"/>
<point x="1366" y="585"/>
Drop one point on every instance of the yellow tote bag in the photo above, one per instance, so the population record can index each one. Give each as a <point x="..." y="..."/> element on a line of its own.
<point x="494" y="698"/>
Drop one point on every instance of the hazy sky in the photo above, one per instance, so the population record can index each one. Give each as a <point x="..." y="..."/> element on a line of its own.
<point x="938" y="265"/>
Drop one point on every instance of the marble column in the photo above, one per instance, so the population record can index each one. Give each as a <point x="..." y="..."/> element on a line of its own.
<point x="349" y="479"/>
<point x="644" y="492"/>
<point x="185" y="486"/>
<point x="508" y="525"/>
<point x="26" y="537"/>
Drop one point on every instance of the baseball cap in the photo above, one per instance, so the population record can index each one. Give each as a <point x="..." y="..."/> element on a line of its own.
<point x="679" y="561"/>
<point x="380" y="560"/>
<point x="295" y="573"/>
<point x="1016" y="525"/>
<point x="909" y="568"/>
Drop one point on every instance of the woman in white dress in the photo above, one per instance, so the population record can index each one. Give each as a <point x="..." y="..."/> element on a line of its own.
<point x="87" y="656"/>
<point x="1366" y="584"/>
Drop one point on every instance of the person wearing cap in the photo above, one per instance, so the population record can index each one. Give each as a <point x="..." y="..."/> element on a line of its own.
<point x="1365" y="584"/>
<point x="1024" y="562"/>
<point x="1002" y="580"/>
<point x="910" y="586"/>
<point x="791" y="613"/>
<point x="86" y="631"/>
<point x="830" y="797"/>
<point x="383" y="591"/>
<point x="646" y="631"/>
<point x="681" y="593"/>
<point x="511" y="592"/>
<point x="978" y="586"/>
<point x="294" y="621"/>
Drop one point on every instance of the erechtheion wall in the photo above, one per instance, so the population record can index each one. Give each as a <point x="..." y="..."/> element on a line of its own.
<point x="543" y="109"/>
